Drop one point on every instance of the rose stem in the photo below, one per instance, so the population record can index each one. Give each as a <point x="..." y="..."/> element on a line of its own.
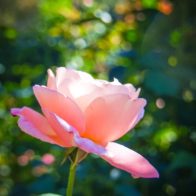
<point x="71" y="179"/>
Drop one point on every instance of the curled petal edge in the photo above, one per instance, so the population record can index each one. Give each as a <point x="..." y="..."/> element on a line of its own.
<point x="85" y="144"/>
<point x="130" y="161"/>
<point x="27" y="126"/>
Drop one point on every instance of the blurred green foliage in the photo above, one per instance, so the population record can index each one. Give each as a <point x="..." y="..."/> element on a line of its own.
<point x="150" y="43"/>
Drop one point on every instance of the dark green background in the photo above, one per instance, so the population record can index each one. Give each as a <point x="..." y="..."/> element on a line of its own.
<point x="149" y="43"/>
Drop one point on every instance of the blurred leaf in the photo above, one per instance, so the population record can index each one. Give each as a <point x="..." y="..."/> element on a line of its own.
<point x="162" y="84"/>
<point x="154" y="60"/>
<point x="175" y="38"/>
<point x="183" y="159"/>
<point x="149" y="3"/>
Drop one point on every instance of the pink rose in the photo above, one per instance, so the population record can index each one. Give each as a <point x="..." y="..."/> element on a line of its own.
<point x="79" y="111"/>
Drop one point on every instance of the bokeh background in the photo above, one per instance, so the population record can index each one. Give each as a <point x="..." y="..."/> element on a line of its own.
<point x="149" y="43"/>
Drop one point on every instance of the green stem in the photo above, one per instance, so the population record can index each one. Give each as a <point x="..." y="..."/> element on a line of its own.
<point x="76" y="157"/>
<point x="71" y="179"/>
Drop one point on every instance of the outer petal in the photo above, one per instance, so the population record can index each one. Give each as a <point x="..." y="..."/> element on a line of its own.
<point x="110" y="117"/>
<point x="61" y="105"/>
<point x="88" y="145"/>
<point x="68" y="132"/>
<point x="61" y="127"/>
<point x="133" y="93"/>
<point x="51" y="83"/>
<point x="115" y="87"/>
<point x="34" y="124"/>
<point x="126" y="159"/>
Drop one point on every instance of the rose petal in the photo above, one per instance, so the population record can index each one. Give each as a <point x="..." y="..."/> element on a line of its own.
<point x="65" y="130"/>
<point x="85" y="99"/>
<point x="133" y="93"/>
<point x="101" y="88"/>
<point x="69" y="82"/>
<point x="76" y="84"/>
<point x="64" y="73"/>
<point x="110" y="117"/>
<point x="88" y="145"/>
<point x="126" y="159"/>
<point x="76" y="88"/>
<point x="81" y="87"/>
<point x="60" y="105"/>
<point x="139" y="116"/>
<point x="115" y="87"/>
<point x="61" y="128"/>
<point x="51" y="83"/>
<point x="34" y="124"/>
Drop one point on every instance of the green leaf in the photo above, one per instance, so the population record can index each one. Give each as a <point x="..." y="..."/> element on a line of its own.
<point x="149" y="3"/>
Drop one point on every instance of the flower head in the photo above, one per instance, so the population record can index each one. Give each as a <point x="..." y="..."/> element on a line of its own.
<point x="80" y="111"/>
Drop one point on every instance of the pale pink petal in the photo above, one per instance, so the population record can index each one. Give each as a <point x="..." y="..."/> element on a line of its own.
<point x="83" y="75"/>
<point x="60" y="105"/>
<point x="81" y="91"/>
<point x="64" y="88"/>
<point x="139" y="116"/>
<point x="133" y="93"/>
<point x="34" y="124"/>
<point x="51" y="83"/>
<point x="77" y="84"/>
<point x="71" y="137"/>
<point x="62" y="128"/>
<point x="64" y="73"/>
<point x="74" y="86"/>
<point x="126" y="159"/>
<point x="69" y="82"/>
<point x="84" y="94"/>
<point x="67" y="132"/>
<point x="115" y="87"/>
<point x="63" y="80"/>
<point x="110" y="117"/>
<point x="88" y="145"/>
<point x="101" y="88"/>
<point x="61" y="75"/>
<point x="82" y="88"/>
